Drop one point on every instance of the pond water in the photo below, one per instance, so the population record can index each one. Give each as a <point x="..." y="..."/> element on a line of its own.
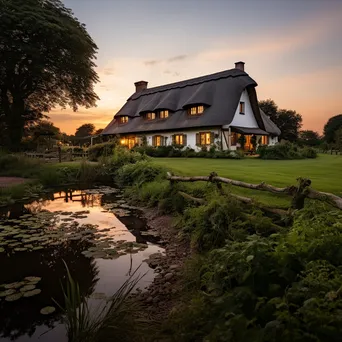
<point x="100" y="238"/>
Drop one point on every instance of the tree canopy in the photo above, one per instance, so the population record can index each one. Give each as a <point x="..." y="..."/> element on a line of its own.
<point x="288" y="121"/>
<point x="46" y="60"/>
<point x="309" y="138"/>
<point x="333" y="124"/>
<point x="85" y="130"/>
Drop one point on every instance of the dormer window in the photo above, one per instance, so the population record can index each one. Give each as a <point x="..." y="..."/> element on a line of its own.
<point x="242" y="108"/>
<point x="196" y="110"/>
<point x="163" y="114"/>
<point x="150" y="116"/>
<point x="123" y="119"/>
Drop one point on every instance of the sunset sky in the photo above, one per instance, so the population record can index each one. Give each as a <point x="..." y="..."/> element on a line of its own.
<point x="292" y="49"/>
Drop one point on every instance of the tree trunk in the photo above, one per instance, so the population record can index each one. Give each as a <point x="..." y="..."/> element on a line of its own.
<point x="15" y="122"/>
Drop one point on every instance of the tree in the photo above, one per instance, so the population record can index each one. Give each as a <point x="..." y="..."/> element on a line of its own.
<point x="338" y="139"/>
<point x="309" y="138"/>
<point x="333" y="124"/>
<point x="46" y="59"/>
<point x="98" y="131"/>
<point x="85" y="130"/>
<point x="269" y="108"/>
<point x="288" y="121"/>
<point x="46" y="128"/>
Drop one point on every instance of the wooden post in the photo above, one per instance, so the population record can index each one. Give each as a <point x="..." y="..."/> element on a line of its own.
<point x="301" y="193"/>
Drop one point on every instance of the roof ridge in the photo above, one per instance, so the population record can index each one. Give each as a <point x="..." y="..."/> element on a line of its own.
<point x="191" y="81"/>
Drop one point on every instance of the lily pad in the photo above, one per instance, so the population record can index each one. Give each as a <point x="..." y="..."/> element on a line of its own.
<point x="14" y="285"/>
<point x="32" y="293"/>
<point x="13" y="297"/>
<point x="2" y="250"/>
<point x="48" y="310"/>
<point x="27" y="288"/>
<point x="7" y="293"/>
<point x="33" y="279"/>
<point x="19" y="249"/>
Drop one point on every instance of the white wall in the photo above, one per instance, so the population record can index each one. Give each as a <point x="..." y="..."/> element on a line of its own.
<point x="272" y="140"/>
<point x="190" y="136"/>
<point x="247" y="119"/>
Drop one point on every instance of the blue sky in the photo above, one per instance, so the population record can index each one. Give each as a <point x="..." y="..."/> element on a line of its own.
<point x="292" y="48"/>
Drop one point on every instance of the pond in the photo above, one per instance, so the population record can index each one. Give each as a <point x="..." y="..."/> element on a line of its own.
<point x="101" y="239"/>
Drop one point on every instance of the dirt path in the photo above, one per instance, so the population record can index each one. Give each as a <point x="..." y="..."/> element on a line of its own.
<point x="6" y="182"/>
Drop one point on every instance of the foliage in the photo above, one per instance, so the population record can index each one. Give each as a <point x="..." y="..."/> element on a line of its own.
<point x="284" y="287"/>
<point x="173" y="151"/>
<point x="111" y="319"/>
<point x="288" y="121"/>
<point x="139" y="173"/>
<point x="100" y="150"/>
<point x="309" y="138"/>
<point x="338" y="139"/>
<point x="285" y="151"/>
<point x="333" y="124"/>
<point x="85" y="130"/>
<point x="47" y="59"/>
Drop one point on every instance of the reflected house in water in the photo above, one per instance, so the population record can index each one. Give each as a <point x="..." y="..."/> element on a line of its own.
<point x="213" y="109"/>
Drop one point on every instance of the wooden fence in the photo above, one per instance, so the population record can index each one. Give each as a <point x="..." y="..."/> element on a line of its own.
<point x="57" y="155"/>
<point x="298" y="193"/>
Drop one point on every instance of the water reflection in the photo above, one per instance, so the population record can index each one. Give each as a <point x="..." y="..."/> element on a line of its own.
<point x="21" y="320"/>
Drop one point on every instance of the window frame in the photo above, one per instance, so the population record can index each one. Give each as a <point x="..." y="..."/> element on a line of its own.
<point x="180" y="139"/>
<point x="195" y="110"/>
<point x="153" y="116"/>
<point x="242" y="108"/>
<point x="123" y="119"/>
<point x="165" y="115"/>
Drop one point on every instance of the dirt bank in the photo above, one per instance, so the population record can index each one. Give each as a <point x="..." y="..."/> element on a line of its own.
<point x="6" y="182"/>
<point x="161" y="296"/>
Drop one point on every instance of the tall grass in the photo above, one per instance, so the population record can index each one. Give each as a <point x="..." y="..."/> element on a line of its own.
<point x="111" y="320"/>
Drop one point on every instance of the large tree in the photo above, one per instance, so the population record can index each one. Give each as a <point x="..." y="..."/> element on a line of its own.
<point x="46" y="60"/>
<point x="309" y="138"/>
<point x="333" y="124"/>
<point x="85" y="130"/>
<point x="288" y="121"/>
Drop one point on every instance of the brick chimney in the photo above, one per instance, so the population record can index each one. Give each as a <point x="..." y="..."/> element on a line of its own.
<point x="240" y="65"/>
<point x="140" y="86"/>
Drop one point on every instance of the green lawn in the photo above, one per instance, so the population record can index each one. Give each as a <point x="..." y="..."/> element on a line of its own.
<point x="325" y="173"/>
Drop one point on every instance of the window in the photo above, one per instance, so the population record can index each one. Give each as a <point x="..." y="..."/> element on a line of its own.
<point x="242" y="108"/>
<point x="264" y="140"/>
<point x="123" y="119"/>
<point x="130" y="142"/>
<point x="178" y="139"/>
<point x="196" y="110"/>
<point x="204" y="138"/>
<point x="157" y="140"/>
<point x="234" y="138"/>
<point x="150" y="116"/>
<point x="163" y="114"/>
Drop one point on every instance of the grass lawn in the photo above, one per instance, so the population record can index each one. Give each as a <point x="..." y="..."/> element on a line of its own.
<point x="325" y="173"/>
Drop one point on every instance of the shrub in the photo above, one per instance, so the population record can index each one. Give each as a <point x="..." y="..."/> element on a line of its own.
<point x="139" y="173"/>
<point x="285" y="150"/>
<point x="99" y="150"/>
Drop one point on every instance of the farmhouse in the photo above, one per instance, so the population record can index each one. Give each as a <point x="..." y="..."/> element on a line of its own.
<point x="213" y="109"/>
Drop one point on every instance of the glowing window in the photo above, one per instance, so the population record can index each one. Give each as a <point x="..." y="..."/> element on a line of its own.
<point x="150" y="116"/>
<point x="179" y="139"/>
<point x="163" y="114"/>
<point x="242" y="108"/>
<point x="196" y="110"/>
<point x="205" y="138"/>
<point x="123" y="119"/>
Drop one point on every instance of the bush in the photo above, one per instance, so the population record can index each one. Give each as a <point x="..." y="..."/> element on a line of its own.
<point x="285" y="287"/>
<point x="18" y="165"/>
<point x="285" y="150"/>
<point x="139" y="173"/>
<point x="99" y="150"/>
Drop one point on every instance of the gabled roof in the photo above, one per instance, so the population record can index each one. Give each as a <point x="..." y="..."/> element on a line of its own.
<point x="270" y="126"/>
<point x="220" y="94"/>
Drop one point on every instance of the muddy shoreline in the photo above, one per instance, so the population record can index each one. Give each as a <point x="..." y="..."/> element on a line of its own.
<point x="158" y="299"/>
